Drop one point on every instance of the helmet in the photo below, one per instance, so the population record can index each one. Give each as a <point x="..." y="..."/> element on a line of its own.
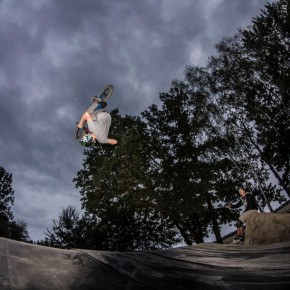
<point x="87" y="140"/>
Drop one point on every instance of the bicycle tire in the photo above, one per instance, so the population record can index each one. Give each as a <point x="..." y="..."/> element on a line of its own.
<point x="104" y="95"/>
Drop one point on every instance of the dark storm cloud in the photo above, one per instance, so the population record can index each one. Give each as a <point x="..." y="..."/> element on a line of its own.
<point x="56" y="54"/>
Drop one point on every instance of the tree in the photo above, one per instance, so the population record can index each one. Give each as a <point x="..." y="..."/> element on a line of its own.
<point x="66" y="231"/>
<point x="187" y="170"/>
<point x="114" y="187"/>
<point x="6" y="201"/>
<point x="251" y="77"/>
<point x="16" y="230"/>
<point x="267" y="42"/>
<point x="6" y="195"/>
<point x="224" y="125"/>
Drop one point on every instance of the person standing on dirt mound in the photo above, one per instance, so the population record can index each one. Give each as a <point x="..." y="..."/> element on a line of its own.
<point x="99" y="123"/>
<point x="249" y="201"/>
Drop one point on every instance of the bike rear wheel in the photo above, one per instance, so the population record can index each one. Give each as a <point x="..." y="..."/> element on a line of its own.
<point x="104" y="95"/>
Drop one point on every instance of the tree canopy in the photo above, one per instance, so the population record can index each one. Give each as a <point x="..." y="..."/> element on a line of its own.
<point x="176" y="166"/>
<point x="9" y="228"/>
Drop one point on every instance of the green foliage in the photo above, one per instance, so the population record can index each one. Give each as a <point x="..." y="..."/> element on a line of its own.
<point x="71" y="230"/>
<point x="116" y="189"/>
<point x="251" y="76"/>
<point x="6" y="195"/>
<point x="16" y="230"/>
<point x="65" y="231"/>
<point x="174" y="169"/>
<point x="192" y="162"/>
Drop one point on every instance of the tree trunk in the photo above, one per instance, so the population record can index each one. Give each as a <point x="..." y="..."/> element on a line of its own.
<point x="184" y="234"/>
<point x="198" y="232"/>
<point x="215" y="225"/>
<point x="282" y="183"/>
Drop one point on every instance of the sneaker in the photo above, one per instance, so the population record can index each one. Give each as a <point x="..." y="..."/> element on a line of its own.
<point x="236" y="240"/>
<point x="96" y="99"/>
<point x="241" y="238"/>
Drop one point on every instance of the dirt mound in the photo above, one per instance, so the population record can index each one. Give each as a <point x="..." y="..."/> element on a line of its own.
<point x="267" y="228"/>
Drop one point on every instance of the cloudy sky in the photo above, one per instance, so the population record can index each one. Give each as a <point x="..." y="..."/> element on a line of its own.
<point x="56" y="54"/>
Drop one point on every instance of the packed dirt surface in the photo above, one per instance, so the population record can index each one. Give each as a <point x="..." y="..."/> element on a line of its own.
<point x="203" y="266"/>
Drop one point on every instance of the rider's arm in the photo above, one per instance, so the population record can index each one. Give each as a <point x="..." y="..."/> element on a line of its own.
<point x="236" y="205"/>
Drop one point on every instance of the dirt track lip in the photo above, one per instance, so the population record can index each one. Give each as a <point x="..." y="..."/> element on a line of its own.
<point x="202" y="266"/>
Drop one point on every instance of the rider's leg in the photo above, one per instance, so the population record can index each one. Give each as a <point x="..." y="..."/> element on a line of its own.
<point x="92" y="110"/>
<point x="240" y="231"/>
<point x="92" y="107"/>
<point x="85" y="117"/>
